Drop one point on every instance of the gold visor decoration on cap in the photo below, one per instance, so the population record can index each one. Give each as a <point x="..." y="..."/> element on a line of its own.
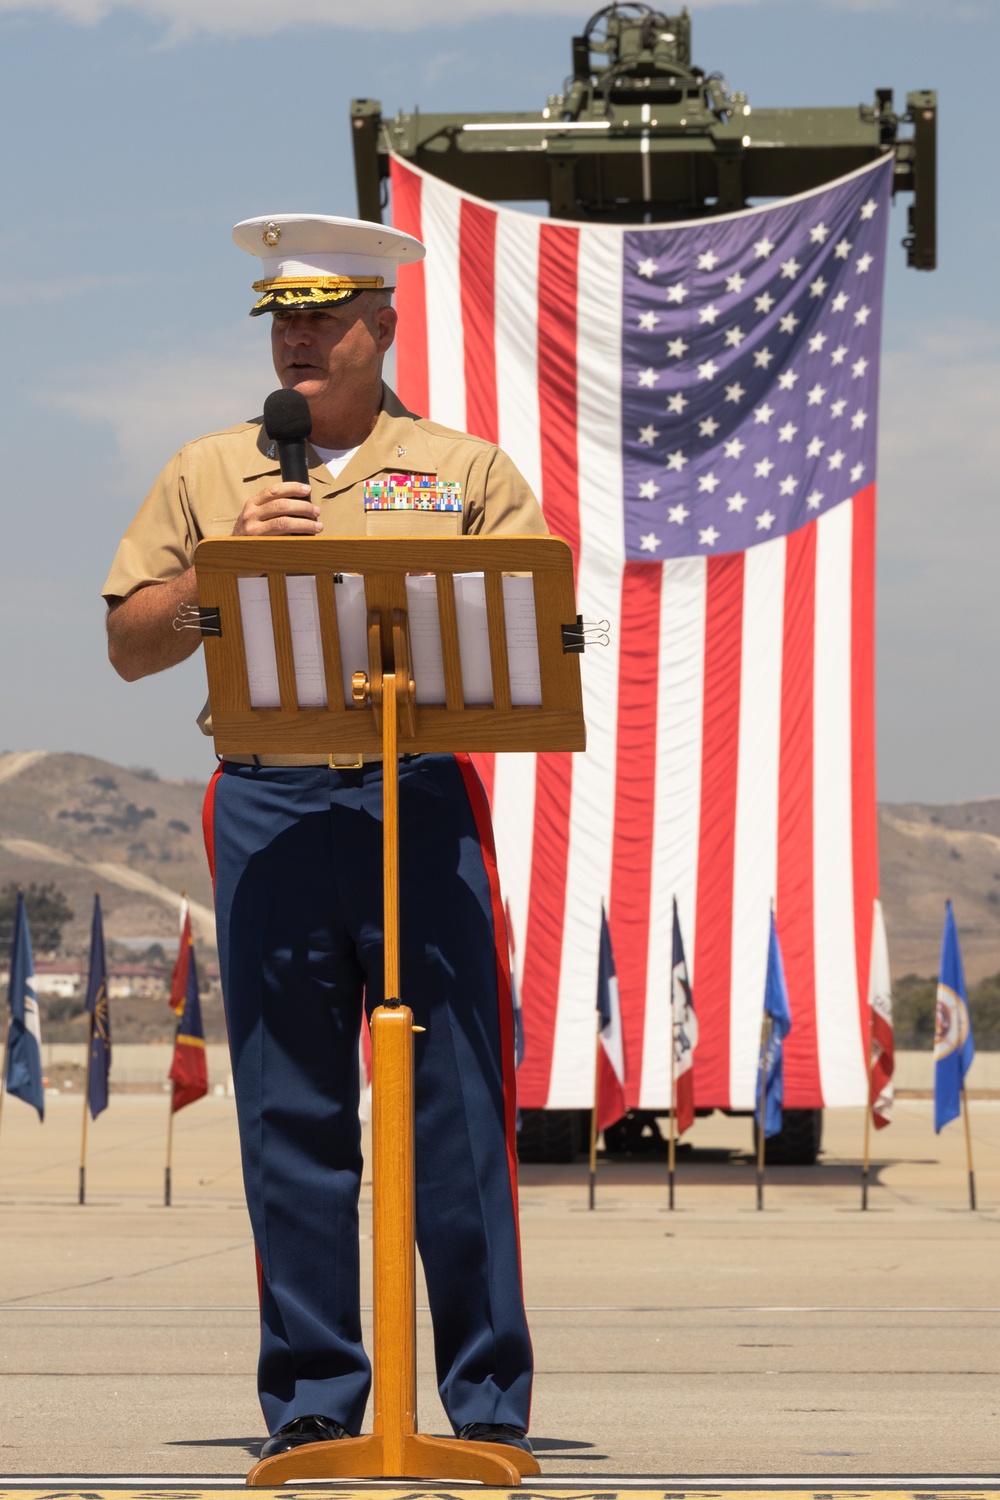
<point x="311" y="291"/>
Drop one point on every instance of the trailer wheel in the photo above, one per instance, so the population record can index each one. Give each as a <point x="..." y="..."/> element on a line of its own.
<point x="549" y="1135"/>
<point x="798" y="1141"/>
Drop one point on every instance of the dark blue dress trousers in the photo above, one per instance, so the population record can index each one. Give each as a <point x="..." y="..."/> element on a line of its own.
<point x="298" y="891"/>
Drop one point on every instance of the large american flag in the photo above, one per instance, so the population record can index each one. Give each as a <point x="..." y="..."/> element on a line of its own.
<point x="695" y="406"/>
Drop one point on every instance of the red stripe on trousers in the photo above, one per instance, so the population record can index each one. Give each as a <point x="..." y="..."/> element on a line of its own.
<point x="717" y="835"/>
<point x="635" y="800"/>
<point x="863" y="787"/>
<point x="560" y="499"/>
<point x="484" y="828"/>
<point x="412" y="374"/>
<point x="208" y="822"/>
<point x="795" y="899"/>
<point x="477" y="229"/>
<point x="485" y="763"/>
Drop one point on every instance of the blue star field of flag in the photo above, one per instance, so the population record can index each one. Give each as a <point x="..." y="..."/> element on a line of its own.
<point x="750" y="353"/>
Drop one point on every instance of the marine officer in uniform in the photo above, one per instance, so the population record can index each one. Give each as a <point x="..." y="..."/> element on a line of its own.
<point x="296" y="855"/>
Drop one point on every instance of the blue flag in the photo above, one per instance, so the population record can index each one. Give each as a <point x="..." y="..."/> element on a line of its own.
<point x="97" y="1007"/>
<point x="24" y="1042"/>
<point x="770" y="1064"/>
<point x="953" y="1048"/>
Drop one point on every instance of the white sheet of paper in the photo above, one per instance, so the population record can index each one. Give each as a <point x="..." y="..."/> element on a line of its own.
<point x="258" y="642"/>
<point x="307" y="650"/>
<point x="425" y="638"/>
<point x="473" y="638"/>
<point x="522" y="643"/>
<point x="352" y="626"/>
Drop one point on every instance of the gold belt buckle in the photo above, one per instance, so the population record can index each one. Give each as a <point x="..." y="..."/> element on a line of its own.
<point x="351" y="765"/>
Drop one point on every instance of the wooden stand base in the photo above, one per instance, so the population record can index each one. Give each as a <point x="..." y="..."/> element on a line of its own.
<point x="416" y="1456"/>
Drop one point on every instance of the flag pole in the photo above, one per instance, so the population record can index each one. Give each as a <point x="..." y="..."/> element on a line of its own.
<point x="765" y="1036"/>
<point x="868" y="1115"/>
<point x="672" y="1138"/>
<point x="170" y="1146"/>
<point x="968" y="1148"/>
<point x="593" y="1121"/>
<point x="82" y="1198"/>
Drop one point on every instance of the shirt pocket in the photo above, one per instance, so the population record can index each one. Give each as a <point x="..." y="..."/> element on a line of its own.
<point x="406" y="523"/>
<point x="222" y="525"/>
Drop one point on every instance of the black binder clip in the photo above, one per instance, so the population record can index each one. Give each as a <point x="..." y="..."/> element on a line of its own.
<point x="576" y="638"/>
<point x="209" y="621"/>
<point x="572" y="638"/>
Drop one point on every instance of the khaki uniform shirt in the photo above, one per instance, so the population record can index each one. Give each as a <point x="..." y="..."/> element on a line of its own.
<point x="203" y="488"/>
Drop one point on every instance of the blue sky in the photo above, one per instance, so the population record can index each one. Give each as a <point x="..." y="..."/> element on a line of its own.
<point x="138" y="132"/>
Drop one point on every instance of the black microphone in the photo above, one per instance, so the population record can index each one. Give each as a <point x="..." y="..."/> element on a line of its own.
<point x="288" y="422"/>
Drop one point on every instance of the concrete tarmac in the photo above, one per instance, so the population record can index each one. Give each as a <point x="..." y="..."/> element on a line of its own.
<point x="810" y="1339"/>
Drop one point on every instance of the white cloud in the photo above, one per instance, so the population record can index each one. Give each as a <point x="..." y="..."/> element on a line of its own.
<point x="155" y="401"/>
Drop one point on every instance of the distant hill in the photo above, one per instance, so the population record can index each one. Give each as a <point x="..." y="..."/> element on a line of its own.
<point x="83" y="822"/>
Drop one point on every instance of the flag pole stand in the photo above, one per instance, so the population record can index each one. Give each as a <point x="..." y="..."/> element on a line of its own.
<point x="82" y="1193"/>
<point x="968" y="1150"/>
<point x="866" y="1158"/>
<point x="592" y="1196"/>
<point x="170" y="1146"/>
<point x="672" y="1137"/>
<point x="765" y="1036"/>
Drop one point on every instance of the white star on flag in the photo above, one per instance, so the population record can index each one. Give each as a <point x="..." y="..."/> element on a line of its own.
<point x="678" y="513"/>
<point x="814" y="500"/>
<point x="648" y="435"/>
<point x="862" y="264"/>
<point x="649" y="542"/>
<point x="648" y="377"/>
<point x="677" y="292"/>
<point x="733" y="447"/>
<point x="707" y="483"/>
<point x="648" y="490"/>
<point x="676" y="460"/>
<point x="837" y="407"/>
<point x="736" y="502"/>
<point x="763" y="248"/>
<point x="764" y="302"/>
<point x="859" y="419"/>
<point x="786" y="380"/>
<point x="708" y="370"/>
<point x="818" y="234"/>
<point x="843" y="249"/>
<point x="816" y="395"/>
<point x="787" y="432"/>
<point x="708" y="427"/>
<point x="790" y="269"/>
<point x="708" y="261"/>
<point x="708" y="314"/>
<point x="676" y="348"/>
<point x="816" y="342"/>
<point x="763" y="468"/>
<point x="763" y="413"/>
<point x="815" y="447"/>
<point x="763" y="358"/>
<point x="646" y="267"/>
<point x="734" y="337"/>
<point x="838" y="303"/>
<point x="861" y="316"/>
<point x="856" y="472"/>
<point x="735" y="392"/>
<point x="736" y="282"/>
<point x="708" y="537"/>
<point x="787" y="485"/>
<point x="868" y="209"/>
<point x="648" y="320"/>
<point x="836" y="459"/>
<point x="765" y="520"/>
<point x="817" y="287"/>
<point x="677" y="402"/>
<point x="788" y="323"/>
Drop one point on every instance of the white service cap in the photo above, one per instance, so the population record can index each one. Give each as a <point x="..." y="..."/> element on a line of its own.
<point x="314" y="260"/>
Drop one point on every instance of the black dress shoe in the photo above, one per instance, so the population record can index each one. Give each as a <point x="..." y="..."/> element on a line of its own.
<point x="495" y="1432"/>
<point x="302" y="1430"/>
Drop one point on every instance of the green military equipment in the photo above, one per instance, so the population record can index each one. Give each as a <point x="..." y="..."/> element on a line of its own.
<point x="637" y="134"/>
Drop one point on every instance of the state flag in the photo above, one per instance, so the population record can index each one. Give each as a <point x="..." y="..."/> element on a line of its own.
<point x="189" y="1069"/>
<point x="770" y="1070"/>
<point x="99" y="1063"/>
<point x="883" y="1064"/>
<point x="610" y="1102"/>
<point x="24" y="1038"/>
<point x="685" y="1034"/>
<point x="953" y="1045"/>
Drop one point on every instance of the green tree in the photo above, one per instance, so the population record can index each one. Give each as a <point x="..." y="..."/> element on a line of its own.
<point x="48" y="913"/>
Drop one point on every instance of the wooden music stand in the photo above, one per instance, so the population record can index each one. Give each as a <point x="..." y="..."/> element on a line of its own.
<point x="383" y="716"/>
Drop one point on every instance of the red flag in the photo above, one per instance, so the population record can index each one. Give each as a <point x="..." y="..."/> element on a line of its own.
<point x="179" y="981"/>
<point x="189" y="1069"/>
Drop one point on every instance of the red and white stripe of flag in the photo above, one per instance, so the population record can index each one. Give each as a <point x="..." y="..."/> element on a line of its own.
<point x="730" y="749"/>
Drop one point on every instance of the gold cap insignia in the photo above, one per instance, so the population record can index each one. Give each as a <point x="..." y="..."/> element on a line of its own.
<point x="271" y="234"/>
